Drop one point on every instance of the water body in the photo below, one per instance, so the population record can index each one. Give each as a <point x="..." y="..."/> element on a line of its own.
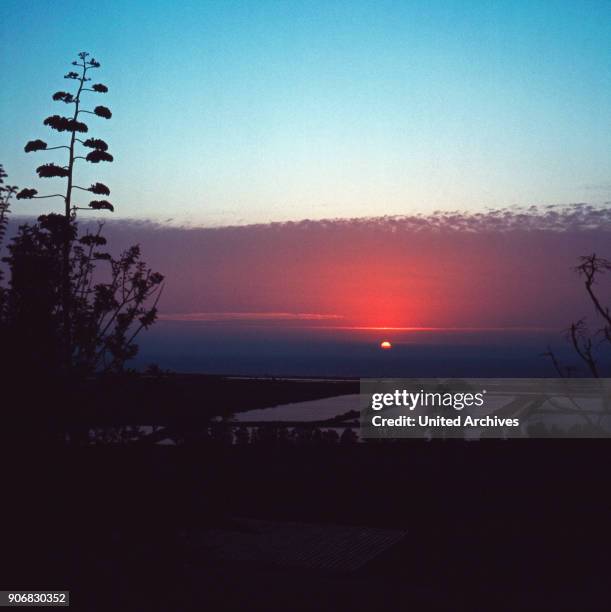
<point x="314" y="410"/>
<point x="266" y="350"/>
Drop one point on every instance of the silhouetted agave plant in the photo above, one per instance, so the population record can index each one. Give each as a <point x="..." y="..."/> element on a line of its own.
<point x="74" y="125"/>
<point x="82" y="324"/>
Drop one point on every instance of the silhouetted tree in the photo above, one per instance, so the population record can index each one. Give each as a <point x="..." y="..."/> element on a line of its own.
<point x="242" y="436"/>
<point x="105" y="316"/>
<point x="6" y="194"/>
<point x="330" y="437"/>
<point x="348" y="437"/>
<point x="73" y="125"/>
<point x="589" y="344"/>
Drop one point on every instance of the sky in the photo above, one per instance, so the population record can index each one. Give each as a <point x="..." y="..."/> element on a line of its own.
<point x="470" y="295"/>
<point x="249" y="112"/>
<point x="283" y="164"/>
<point x="488" y="272"/>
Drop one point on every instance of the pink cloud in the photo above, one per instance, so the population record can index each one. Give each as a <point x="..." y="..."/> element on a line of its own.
<point x="501" y="269"/>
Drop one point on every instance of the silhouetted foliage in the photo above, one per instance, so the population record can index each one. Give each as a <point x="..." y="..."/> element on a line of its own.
<point x="99" y="188"/>
<point x="64" y="96"/>
<point x="102" y="111"/>
<point x="35" y="145"/>
<point x="95" y="143"/>
<point x="97" y="156"/>
<point x="242" y="436"/>
<point x="70" y="304"/>
<point x="32" y="333"/>
<point x="348" y="437"/>
<point x="65" y="124"/>
<point x="73" y="125"/>
<point x="6" y="194"/>
<point x="106" y="315"/>
<point x="26" y="194"/>
<point x="101" y="205"/>
<point x="52" y="170"/>
<point x="588" y="344"/>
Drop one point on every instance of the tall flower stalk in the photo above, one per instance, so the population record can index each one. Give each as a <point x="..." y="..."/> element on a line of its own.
<point x="98" y="152"/>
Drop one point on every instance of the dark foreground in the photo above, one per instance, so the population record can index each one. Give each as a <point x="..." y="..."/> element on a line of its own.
<point x="514" y="525"/>
<point x="499" y="525"/>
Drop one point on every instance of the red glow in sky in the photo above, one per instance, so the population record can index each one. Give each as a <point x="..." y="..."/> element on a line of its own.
<point x="504" y="272"/>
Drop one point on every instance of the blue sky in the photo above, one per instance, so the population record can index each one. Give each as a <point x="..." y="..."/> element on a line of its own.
<point x="241" y="112"/>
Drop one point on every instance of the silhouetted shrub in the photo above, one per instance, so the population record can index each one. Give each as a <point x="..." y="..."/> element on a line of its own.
<point x="105" y="316"/>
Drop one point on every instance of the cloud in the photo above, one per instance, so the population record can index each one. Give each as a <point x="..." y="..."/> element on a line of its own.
<point x="497" y="269"/>
<point x="248" y="316"/>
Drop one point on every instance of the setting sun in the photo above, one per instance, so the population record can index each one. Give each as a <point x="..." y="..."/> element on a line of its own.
<point x="386" y="345"/>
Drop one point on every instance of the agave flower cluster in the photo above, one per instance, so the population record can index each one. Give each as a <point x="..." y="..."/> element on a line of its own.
<point x="73" y="125"/>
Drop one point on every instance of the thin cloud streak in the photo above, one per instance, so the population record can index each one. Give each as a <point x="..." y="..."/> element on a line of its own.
<point x="247" y="316"/>
<point x="445" y="329"/>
